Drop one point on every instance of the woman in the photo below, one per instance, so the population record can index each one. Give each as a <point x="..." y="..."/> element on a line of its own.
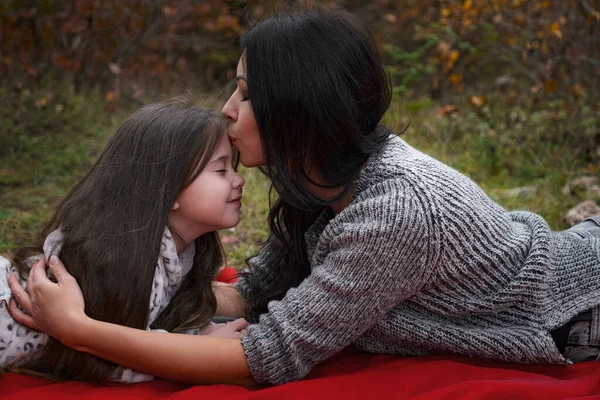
<point x="373" y="243"/>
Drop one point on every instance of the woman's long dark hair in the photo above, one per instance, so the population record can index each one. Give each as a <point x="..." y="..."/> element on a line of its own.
<point x="318" y="90"/>
<point x="113" y="222"/>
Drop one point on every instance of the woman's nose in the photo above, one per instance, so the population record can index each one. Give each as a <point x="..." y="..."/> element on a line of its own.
<point x="229" y="111"/>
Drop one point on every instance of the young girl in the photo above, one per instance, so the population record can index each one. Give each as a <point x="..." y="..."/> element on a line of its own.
<point x="138" y="232"/>
<point x="374" y="243"/>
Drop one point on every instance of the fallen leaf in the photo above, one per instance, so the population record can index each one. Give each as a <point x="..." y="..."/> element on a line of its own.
<point x="447" y="110"/>
<point x="555" y="30"/>
<point x="455" y="79"/>
<point x="169" y="11"/>
<point x="577" y="90"/>
<point x="551" y="86"/>
<point x="391" y="18"/>
<point x="476" y="101"/>
<point x="114" y="68"/>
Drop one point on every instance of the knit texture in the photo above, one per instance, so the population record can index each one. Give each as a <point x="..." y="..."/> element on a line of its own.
<point x="422" y="261"/>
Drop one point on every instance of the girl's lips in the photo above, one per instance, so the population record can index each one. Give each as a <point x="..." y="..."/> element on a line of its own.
<point x="236" y="201"/>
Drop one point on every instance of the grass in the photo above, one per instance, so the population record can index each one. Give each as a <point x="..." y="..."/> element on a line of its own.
<point x="48" y="138"/>
<point x="52" y="136"/>
<point x="246" y="238"/>
<point x="503" y="149"/>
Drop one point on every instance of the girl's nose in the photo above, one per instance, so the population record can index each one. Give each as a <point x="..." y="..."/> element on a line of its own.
<point x="238" y="181"/>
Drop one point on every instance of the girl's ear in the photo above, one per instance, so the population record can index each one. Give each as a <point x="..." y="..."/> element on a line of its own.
<point x="175" y="206"/>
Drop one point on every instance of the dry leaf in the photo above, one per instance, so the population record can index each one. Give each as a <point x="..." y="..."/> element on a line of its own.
<point x="391" y="18"/>
<point x="476" y="101"/>
<point x="114" y="68"/>
<point x="455" y="79"/>
<point x="535" y="89"/>
<point x="448" y="110"/>
<point x="555" y="30"/>
<point x="443" y="47"/>
<point x="169" y="11"/>
<point x="577" y="90"/>
<point x="551" y="86"/>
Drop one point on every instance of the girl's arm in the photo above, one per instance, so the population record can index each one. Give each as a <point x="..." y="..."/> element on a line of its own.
<point x="184" y="358"/>
<point x="58" y="309"/>
<point x="231" y="299"/>
<point x="230" y="302"/>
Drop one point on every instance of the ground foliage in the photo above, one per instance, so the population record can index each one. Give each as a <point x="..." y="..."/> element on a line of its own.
<point x="503" y="90"/>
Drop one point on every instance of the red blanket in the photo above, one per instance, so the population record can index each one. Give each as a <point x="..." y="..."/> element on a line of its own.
<point x="353" y="375"/>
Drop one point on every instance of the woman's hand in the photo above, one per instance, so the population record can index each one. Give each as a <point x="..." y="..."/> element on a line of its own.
<point x="54" y="308"/>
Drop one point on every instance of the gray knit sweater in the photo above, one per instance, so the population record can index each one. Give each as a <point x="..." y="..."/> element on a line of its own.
<point x="422" y="261"/>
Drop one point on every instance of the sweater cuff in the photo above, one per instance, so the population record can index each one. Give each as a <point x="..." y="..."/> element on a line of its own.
<point x="262" y="269"/>
<point x="265" y="359"/>
<point x="242" y="284"/>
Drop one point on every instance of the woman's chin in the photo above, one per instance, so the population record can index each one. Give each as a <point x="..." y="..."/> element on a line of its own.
<point x="251" y="163"/>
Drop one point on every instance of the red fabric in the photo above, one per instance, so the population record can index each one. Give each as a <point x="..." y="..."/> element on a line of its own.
<point x="353" y="375"/>
<point x="227" y="275"/>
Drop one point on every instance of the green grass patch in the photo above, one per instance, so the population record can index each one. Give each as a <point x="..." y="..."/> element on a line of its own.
<point x="520" y="158"/>
<point x="246" y="238"/>
<point x="49" y="137"/>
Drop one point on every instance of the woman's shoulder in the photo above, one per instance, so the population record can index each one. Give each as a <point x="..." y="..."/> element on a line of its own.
<point x="398" y="170"/>
<point x="398" y="160"/>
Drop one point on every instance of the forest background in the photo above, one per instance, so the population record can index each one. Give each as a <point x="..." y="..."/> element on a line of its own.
<point x="506" y="91"/>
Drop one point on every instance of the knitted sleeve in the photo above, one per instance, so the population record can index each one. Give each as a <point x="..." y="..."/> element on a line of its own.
<point x="381" y="254"/>
<point x="264" y="269"/>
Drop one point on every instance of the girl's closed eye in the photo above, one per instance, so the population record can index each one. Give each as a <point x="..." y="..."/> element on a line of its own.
<point x="222" y="167"/>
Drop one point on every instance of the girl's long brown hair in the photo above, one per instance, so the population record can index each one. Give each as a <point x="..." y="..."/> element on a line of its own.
<point x="113" y="222"/>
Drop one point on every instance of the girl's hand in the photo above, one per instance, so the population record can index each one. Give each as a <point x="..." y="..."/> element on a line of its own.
<point x="54" y="308"/>
<point x="233" y="330"/>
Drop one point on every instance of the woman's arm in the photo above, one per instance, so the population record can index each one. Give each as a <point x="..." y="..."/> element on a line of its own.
<point x="263" y="268"/>
<point x="58" y="310"/>
<point x="380" y="252"/>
